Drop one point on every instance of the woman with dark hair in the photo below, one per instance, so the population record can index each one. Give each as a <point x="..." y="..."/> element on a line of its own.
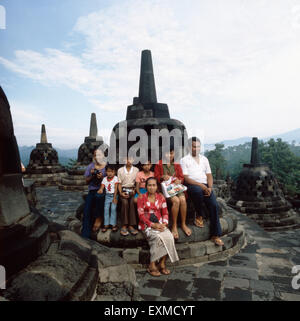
<point x="153" y="221"/>
<point x="94" y="174"/>
<point x="163" y="171"/>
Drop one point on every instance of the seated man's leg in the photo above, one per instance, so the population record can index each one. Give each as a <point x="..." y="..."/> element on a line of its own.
<point x="86" y="222"/>
<point x="211" y="203"/>
<point x="196" y="194"/>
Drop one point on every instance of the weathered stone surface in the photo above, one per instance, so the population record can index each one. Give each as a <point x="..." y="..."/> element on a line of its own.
<point x="50" y="278"/>
<point x="257" y="193"/>
<point x="131" y="255"/>
<point x="145" y="113"/>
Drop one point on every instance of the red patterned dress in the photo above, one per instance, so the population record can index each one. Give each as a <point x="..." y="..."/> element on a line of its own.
<point x="146" y="208"/>
<point x="160" y="243"/>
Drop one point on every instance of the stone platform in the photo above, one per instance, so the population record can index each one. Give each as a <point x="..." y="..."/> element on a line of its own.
<point x="260" y="271"/>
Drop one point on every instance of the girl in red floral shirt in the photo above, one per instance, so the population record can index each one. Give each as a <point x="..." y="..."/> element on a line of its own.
<point x="153" y="221"/>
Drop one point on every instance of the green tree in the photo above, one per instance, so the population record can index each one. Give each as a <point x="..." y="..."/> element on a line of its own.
<point x="283" y="162"/>
<point x="217" y="161"/>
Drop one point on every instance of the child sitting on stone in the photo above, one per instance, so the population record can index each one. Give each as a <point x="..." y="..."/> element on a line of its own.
<point x="110" y="183"/>
<point x="141" y="178"/>
<point x="127" y="175"/>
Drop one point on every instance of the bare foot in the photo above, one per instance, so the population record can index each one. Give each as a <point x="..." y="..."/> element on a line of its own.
<point x="186" y="230"/>
<point x="175" y="233"/>
<point x="97" y="224"/>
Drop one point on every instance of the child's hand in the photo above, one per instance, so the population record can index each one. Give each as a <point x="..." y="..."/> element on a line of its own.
<point x="100" y="191"/>
<point x="115" y="201"/>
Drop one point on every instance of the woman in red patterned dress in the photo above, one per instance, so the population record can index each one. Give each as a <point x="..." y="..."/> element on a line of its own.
<point x="153" y="221"/>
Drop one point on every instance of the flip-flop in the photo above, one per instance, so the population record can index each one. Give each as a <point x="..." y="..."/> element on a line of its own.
<point x="218" y="241"/>
<point x="154" y="272"/>
<point x="124" y="232"/>
<point x="133" y="231"/>
<point x="198" y="224"/>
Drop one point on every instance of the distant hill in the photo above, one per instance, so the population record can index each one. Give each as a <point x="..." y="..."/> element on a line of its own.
<point x="293" y="135"/>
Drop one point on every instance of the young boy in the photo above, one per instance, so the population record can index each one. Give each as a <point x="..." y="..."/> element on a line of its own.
<point x="127" y="175"/>
<point x="110" y="183"/>
<point x="141" y="178"/>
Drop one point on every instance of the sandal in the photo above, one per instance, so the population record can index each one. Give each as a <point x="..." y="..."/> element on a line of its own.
<point x="199" y="222"/>
<point x="217" y="241"/>
<point x="133" y="231"/>
<point x="105" y="228"/>
<point x="114" y="228"/>
<point x="153" y="272"/>
<point x="124" y="232"/>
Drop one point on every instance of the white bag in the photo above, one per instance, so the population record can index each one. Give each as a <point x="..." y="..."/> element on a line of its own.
<point x="170" y="189"/>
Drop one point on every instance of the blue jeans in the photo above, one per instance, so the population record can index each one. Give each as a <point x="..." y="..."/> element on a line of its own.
<point x="92" y="197"/>
<point x="112" y="218"/>
<point x="196" y="194"/>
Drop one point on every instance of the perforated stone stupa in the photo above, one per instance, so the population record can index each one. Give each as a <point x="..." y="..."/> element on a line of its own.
<point x="75" y="179"/>
<point x="44" y="167"/>
<point x="258" y="195"/>
<point x="146" y="113"/>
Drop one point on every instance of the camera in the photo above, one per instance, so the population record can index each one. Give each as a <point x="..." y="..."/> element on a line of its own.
<point x="96" y="172"/>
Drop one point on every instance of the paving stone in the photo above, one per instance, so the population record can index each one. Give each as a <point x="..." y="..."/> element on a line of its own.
<point x="214" y="272"/>
<point x="151" y="287"/>
<point x="290" y="297"/>
<point x="263" y="296"/>
<point x="219" y="263"/>
<point x="206" y="288"/>
<point x="131" y="255"/>
<point x="243" y="260"/>
<point x="237" y="295"/>
<point x="243" y="273"/>
<point x="232" y="283"/>
<point x="286" y="288"/>
<point x="261" y="285"/>
<point x="177" y="288"/>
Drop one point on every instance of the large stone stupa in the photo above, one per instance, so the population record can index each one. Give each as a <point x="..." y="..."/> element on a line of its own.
<point x="44" y="167"/>
<point x="75" y="179"/>
<point x="258" y="195"/>
<point x="147" y="114"/>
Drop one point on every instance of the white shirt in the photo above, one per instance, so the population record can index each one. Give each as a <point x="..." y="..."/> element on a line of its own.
<point x="194" y="170"/>
<point x="110" y="184"/>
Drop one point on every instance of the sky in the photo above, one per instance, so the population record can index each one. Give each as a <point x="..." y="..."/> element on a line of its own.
<point x="226" y="69"/>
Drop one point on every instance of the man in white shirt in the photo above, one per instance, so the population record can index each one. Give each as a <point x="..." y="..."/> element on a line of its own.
<point x="199" y="181"/>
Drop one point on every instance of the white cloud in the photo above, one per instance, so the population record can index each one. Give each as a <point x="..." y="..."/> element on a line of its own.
<point x="225" y="64"/>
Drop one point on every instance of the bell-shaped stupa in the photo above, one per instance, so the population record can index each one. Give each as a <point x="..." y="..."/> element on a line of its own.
<point x="75" y="179"/>
<point x="146" y="114"/>
<point x="44" y="167"/>
<point x="258" y="195"/>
